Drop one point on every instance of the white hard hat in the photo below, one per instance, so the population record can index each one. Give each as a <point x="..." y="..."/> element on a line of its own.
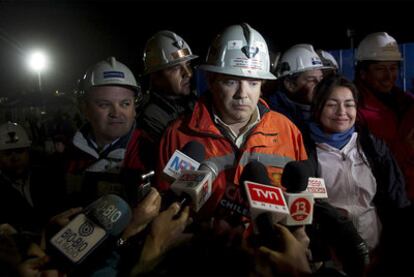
<point x="378" y="47"/>
<point x="327" y="59"/>
<point x="13" y="136"/>
<point x="165" y="49"/>
<point x="109" y="72"/>
<point x="240" y="51"/>
<point x="299" y="58"/>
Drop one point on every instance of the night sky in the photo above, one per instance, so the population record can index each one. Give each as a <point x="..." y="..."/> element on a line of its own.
<point x="77" y="34"/>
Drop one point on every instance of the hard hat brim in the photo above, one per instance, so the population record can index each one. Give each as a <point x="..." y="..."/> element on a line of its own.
<point x="254" y="74"/>
<point x="170" y="64"/>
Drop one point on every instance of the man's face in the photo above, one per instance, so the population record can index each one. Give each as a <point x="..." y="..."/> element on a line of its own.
<point x="381" y="76"/>
<point x="302" y="90"/>
<point x="174" y="80"/>
<point x="14" y="162"/>
<point x="110" y="111"/>
<point x="234" y="98"/>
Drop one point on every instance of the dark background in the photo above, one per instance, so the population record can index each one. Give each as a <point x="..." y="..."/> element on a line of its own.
<point x="77" y="34"/>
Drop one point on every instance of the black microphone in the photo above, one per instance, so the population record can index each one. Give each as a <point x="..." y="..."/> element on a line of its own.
<point x="334" y="229"/>
<point x="194" y="150"/>
<point x="296" y="174"/>
<point x="104" y="219"/>
<point x="136" y="185"/>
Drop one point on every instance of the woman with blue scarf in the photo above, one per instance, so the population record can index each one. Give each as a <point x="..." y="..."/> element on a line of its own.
<point x="361" y="176"/>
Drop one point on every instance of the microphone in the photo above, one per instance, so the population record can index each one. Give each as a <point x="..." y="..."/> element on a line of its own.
<point x="137" y="185"/>
<point x="267" y="203"/>
<point x="317" y="187"/>
<point x="189" y="158"/>
<point x="337" y="230"/>
<point x="103" y="219"/>
<point x="195" y="186"/>
<point x="295" y="178"/>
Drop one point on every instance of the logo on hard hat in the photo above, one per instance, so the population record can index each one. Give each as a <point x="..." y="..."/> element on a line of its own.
<point x="316" y="61"/>
<point x="113" y="74"/>
<point x="13" y="138"/>
<point x="250" y="52"/>
<point x="179" y="44"/>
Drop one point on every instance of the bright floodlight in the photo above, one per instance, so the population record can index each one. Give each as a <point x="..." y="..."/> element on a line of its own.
<point x="37" y="61"/>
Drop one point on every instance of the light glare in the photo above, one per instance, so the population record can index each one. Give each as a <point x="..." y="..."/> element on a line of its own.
<point x="37" y="61"/>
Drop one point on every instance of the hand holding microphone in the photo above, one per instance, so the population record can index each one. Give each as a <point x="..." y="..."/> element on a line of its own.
<point x="291" y="261"/>
<point x="143" y="214"/>
<point x="166" y="232"/>
<point x="105" y="218"/>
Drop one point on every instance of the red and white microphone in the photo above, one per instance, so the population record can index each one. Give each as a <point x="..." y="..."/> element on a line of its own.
<point x="195" y="186"/>
<point x="300" y="202"/>
<point x="267" y="204"/>
<point x="263" y="198"/>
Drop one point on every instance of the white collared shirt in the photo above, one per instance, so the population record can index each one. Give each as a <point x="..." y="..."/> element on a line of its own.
<point x="239" y="139"/>
<point x="351" y="186"/>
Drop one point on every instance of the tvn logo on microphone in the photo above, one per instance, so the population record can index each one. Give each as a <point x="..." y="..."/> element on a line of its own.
<point x="178" y="162"/>
<point x="266" y="197"/>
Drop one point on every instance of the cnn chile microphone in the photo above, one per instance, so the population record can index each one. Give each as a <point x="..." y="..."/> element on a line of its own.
<point x="267" y="203"/>
<point x="195" y="186"/>
<point x="103" y="219"/>
<point x="189" y="158"/>
<point x="295" y="179"/>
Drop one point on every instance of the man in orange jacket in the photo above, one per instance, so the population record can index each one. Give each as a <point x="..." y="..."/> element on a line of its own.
<point x="233" y="123"/>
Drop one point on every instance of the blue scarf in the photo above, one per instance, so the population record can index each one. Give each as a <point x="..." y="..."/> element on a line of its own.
<point x="337" y="140"/>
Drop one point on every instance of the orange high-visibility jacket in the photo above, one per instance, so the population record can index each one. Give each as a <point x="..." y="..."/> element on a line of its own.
<point x="274" y="141"/>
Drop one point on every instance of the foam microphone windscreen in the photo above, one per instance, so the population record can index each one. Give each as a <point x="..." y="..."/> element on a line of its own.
<point x="194" y="150"/>
<point x="296" y="174"/>
<point x="256" y="172"/>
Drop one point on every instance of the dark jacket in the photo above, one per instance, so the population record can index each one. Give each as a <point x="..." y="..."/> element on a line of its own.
<point x="160" y="110"/>
<point x="47" y="194"/>
<point x="278" y="101"/>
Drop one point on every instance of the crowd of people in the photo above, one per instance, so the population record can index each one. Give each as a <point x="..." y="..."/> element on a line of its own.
<point x="104" y="204"/>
